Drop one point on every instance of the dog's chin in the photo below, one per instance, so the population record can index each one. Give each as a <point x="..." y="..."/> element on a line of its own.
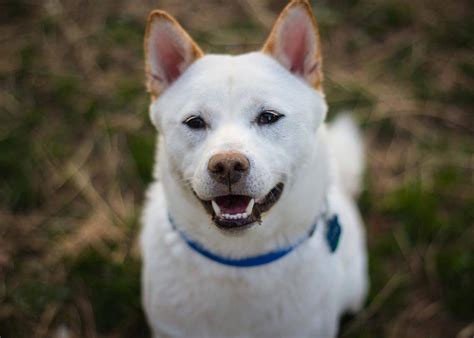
<point x="236" y="213"/>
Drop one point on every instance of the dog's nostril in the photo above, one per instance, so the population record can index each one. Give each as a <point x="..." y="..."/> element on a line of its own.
<point x="228" y="167"/>
<point x="218" y="168"/>
<point x="241" y="166"/>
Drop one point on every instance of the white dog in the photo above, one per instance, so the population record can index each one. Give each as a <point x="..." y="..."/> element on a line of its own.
<point x="250" y="229"/>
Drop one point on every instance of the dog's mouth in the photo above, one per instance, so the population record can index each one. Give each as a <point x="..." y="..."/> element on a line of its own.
<point x="238" y="212"/>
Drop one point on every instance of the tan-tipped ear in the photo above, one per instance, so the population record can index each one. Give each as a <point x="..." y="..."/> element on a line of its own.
<point x="294" y="42"/>
<point x="169" y="51"/>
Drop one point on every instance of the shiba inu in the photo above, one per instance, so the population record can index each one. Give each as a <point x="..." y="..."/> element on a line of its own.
<point x="250" y="228"/>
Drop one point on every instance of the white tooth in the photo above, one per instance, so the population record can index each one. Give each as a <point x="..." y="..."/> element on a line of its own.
<point x="238" y="216"/>
<point x="249" y="208"/>
<point x="216" y="208"/>
<point x="245" y="215"/>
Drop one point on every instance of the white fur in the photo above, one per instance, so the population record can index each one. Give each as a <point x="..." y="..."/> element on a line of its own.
<point x="348" y="150"/>
<point x="300" y="295"/>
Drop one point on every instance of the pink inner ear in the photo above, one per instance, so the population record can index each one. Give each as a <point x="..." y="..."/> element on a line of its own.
<point x="168" y="55"/>
<point x="295" y="42"/>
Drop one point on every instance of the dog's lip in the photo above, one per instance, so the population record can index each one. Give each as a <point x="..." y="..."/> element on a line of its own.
<point x="253" y="209"/>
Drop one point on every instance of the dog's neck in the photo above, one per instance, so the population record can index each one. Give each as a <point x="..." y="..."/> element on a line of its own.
<point x="287" y="221"/>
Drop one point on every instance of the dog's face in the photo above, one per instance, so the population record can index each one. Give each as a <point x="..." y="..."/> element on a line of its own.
<point x="237" y="129"/>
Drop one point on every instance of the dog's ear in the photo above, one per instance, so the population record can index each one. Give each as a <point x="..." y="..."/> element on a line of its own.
<point x="294" y="42"/>
<point x="169" y="51"/>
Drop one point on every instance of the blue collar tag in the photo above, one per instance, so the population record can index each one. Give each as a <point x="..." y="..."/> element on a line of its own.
<point x="333" y="232"/>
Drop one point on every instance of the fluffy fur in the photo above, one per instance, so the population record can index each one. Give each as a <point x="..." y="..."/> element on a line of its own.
<point x="301" y="295"/>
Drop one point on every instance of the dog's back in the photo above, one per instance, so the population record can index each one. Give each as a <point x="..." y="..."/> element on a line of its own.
<point x="348" y="151"/>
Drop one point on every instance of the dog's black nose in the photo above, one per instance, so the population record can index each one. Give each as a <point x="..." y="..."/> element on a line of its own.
<point x="228" y="167"/>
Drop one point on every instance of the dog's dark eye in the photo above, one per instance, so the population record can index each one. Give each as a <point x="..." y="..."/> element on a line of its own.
<point x="268" y="117"/>
<point x="195" y="122"/>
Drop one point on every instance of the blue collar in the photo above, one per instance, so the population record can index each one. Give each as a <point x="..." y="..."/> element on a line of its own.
<point x="333" y="232"/>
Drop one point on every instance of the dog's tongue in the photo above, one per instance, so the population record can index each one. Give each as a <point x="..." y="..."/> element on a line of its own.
<point x="233" y="204"/>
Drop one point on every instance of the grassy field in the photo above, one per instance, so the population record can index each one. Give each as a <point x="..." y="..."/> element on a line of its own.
<point x="76" y="149"/>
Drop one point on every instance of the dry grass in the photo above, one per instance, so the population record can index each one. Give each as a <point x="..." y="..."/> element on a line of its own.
<point x="76" y="150"/>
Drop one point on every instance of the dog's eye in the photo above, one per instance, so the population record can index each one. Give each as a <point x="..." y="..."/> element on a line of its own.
<point x="268" y="117"/>
<point x="195" y="122"/>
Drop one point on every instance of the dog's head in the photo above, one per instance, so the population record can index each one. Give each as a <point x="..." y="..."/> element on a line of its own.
<point x="237" y="129"/>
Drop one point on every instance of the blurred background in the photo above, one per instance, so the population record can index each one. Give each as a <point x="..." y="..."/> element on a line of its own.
<point x="76" y="150"/>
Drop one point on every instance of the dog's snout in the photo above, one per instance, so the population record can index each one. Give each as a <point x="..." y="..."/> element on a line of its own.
<point x="228" y="167"/>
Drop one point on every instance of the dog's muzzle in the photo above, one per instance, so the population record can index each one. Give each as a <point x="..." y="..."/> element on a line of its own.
<point x="231" y="208"/>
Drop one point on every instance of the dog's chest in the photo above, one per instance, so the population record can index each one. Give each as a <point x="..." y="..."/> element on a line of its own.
<point x="191" y="295"/>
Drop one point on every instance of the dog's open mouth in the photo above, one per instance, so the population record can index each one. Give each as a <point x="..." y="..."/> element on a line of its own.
<point x="237" y="212"/>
